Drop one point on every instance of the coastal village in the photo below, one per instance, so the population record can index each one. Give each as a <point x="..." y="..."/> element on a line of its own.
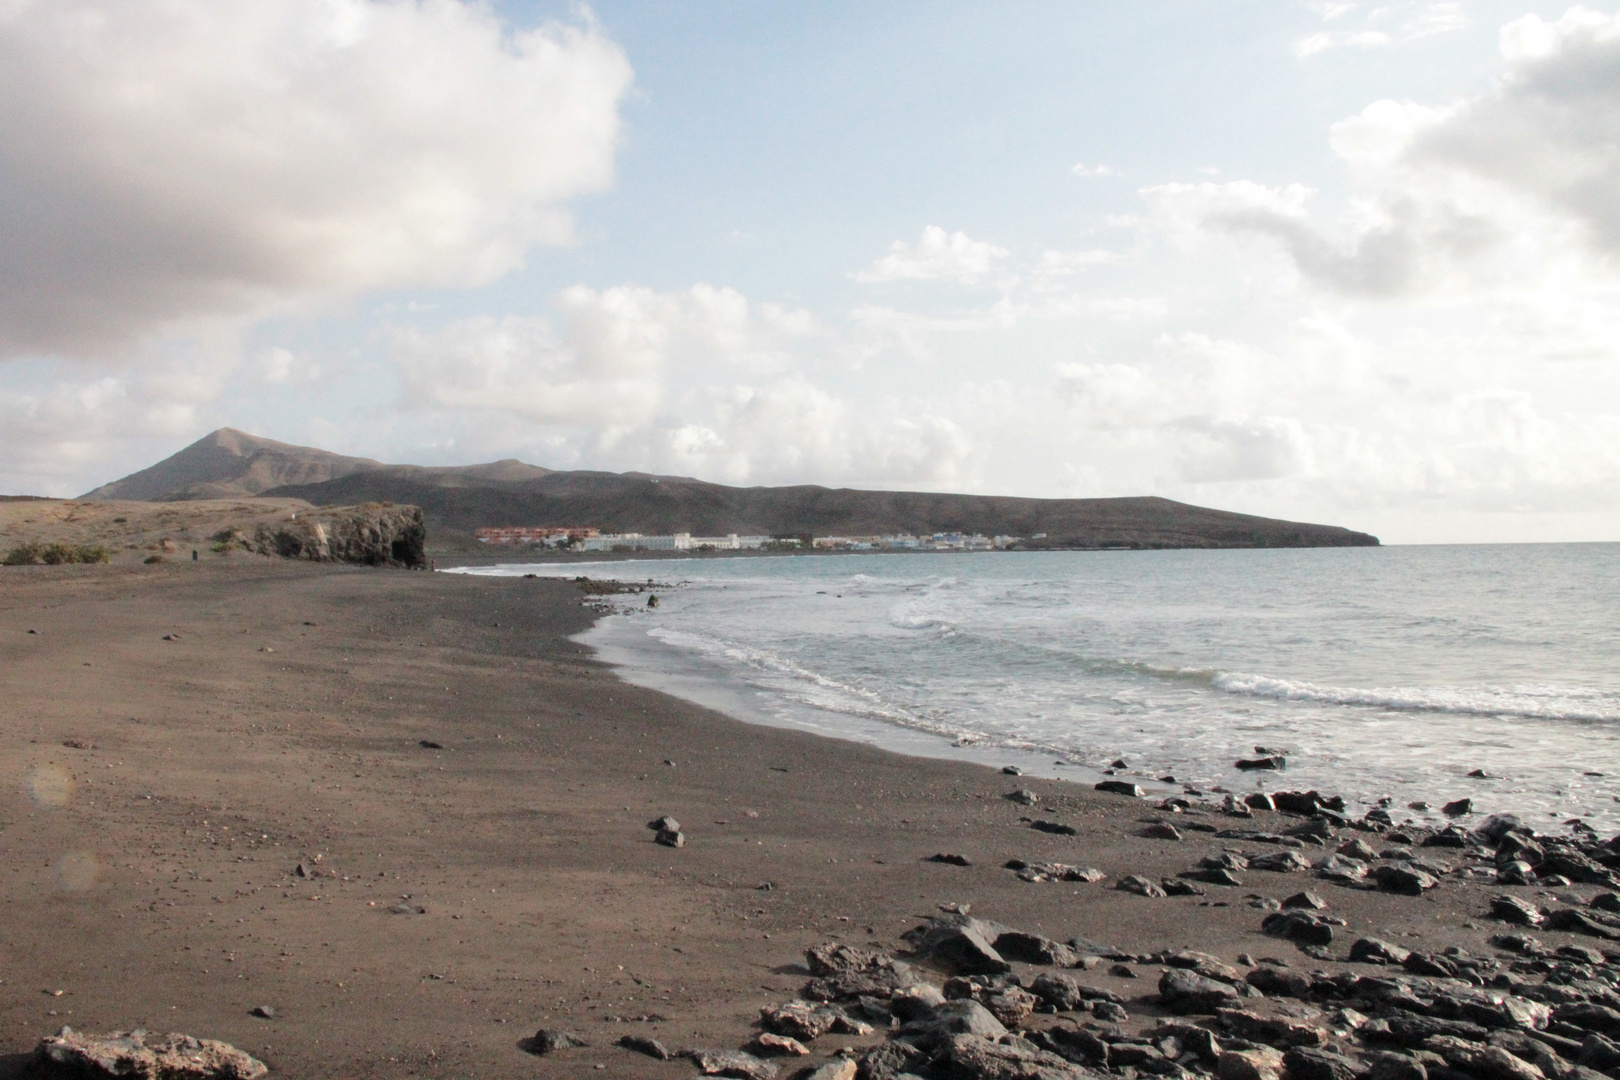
<point x="575" y="538"/>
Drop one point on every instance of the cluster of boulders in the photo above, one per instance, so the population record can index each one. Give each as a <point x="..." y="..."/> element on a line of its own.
<point x="1531" y="1013"/>
<point x="1411" y="859"/>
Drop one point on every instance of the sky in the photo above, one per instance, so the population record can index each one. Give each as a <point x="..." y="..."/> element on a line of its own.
<point x="1339" y="262"/>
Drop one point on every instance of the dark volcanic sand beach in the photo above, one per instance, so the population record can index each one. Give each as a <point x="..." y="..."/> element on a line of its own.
<point x="150" y="867"/>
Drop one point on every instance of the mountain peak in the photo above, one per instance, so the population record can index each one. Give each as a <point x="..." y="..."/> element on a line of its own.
<point x="228" y="463"/>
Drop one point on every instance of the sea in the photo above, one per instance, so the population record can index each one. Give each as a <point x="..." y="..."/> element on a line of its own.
<point x="1415" y="674"/>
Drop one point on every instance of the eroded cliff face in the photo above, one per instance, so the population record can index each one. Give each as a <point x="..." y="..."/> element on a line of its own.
<point x="374" y="534"/>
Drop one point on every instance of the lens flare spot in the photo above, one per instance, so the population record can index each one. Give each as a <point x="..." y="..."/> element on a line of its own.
<point x="50" y="785"/>
<point x="77" y="871"/>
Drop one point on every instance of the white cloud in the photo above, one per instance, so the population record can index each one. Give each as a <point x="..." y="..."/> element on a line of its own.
<point x="1404" y="25"/>
<point x="167" y="162"/>
<point x="1082" y="169"/>
<point x="607" y="364"/>
<point x="276" y="366"/>
<point x="937" y="256"/>
<point x="1356" y="39"/>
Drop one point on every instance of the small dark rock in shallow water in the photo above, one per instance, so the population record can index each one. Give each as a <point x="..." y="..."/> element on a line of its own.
<point x="1480" y="774"/>
<point x="1120" y="787"/>
<point x="545" y="1041"/>
<point x="1458" y="808"/>
<point x="954" y="860"/>
<point x="1265" y="763"/>
<point x="643" y="1044"/>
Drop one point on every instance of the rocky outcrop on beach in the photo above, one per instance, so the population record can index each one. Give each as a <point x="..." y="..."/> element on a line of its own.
<point x="969" y="998"/>
<point x="142" y="1055"/>
<point x="374" y="534"/>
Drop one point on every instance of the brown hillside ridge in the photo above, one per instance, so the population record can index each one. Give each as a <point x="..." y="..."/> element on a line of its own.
<point x="458" y="499"/>
<point x="91" y="531"/>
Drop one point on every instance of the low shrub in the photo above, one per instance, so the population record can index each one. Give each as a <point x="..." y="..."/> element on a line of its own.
<point x="58" y="554"/>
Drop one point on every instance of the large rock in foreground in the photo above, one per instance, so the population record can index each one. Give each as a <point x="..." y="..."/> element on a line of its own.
<point x="376" y="534"/>
<point x="142" y="1055"/>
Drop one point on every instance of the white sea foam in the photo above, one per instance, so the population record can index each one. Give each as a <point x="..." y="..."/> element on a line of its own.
<point x="1541" y="703"/>
<point x="1379" y="671"/>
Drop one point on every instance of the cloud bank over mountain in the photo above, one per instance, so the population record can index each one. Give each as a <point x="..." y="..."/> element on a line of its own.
<point x="323" y="221"/>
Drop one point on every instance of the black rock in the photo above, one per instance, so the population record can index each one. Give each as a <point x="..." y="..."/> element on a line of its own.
<point x="963" y="945"/>
<point x="546" y="1040"/>
<point x="1183" y="992"/>
<point x="1161" y="831"/>
<point x="1141" y="886"/>
<point x="1605" y="902"/>
<point x="1299" y="802"/>
<point x="1306" y="1063"/>
<point x="1600" y="1054"/>
<point x="643" y="1044"/>
<point x="1213" y="876"/>
<point x="1259" y="800"/>
<point x="1369" y="950"/>
<point x="429" y="744"/>
<point x="1073" y="1044"/>
<point x="1110" y="1012"/>
<point x="1280" y="862"/>
<point x="1012" y="770"/>
<point x="954" y="860"/>
<point x="664" y="823"/>
<point x="263" y="1012"/>
<point x="1034" y="949"/>
<point x="1576" y="922"/>
<point x="1275" y="763"/>
<point x="1405" y="1029"/>
<point x="1054" y="827"/>
<point x="1307" y="900"/>
<point x="1458" y="808"/>
<point x="1518" y="912"/>
<point x="893" y="1059"/>
<point x="671" y="838"/>
<point x="1173" y="887"/>
<point x="1590" y="1017"/>
<point x="1298" y="926"/>
<point x="1120" y="787"/>
<point x="1058" y="993"/>
<point x="1399" y="879"/>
